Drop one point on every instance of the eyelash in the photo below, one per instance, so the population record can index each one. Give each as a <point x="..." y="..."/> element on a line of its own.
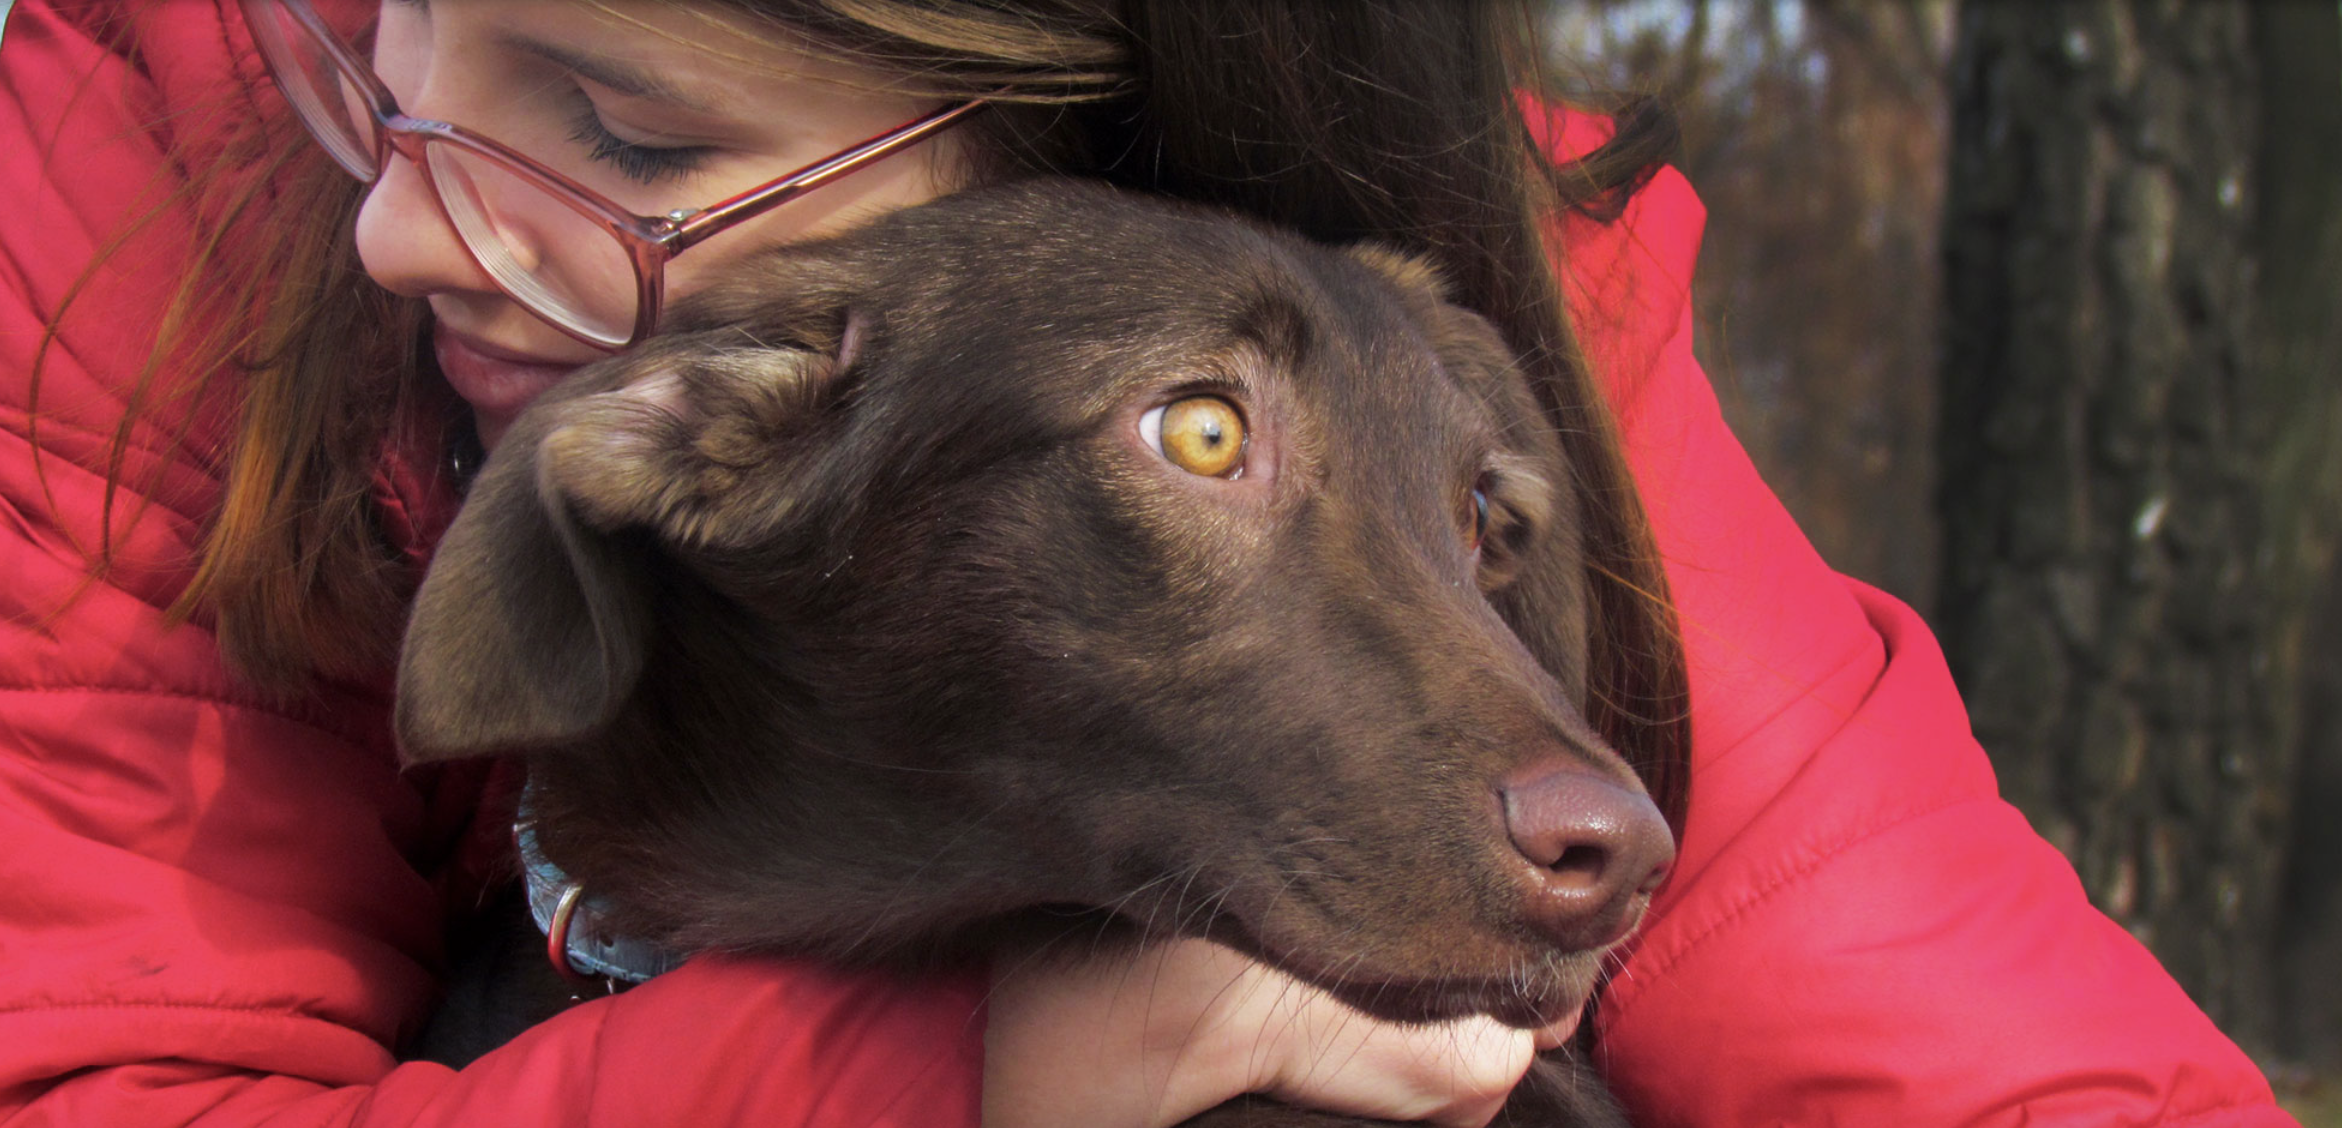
<point x="643" y="164"/>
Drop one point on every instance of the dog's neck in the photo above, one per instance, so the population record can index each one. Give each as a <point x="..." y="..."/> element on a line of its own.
<point x="578" y="940"/>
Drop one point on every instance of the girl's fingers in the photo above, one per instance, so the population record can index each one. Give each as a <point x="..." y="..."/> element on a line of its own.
<point x="1317" y="1052"/>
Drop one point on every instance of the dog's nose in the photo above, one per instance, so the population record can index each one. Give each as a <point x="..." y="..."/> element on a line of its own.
<point x="1594" y="848"/>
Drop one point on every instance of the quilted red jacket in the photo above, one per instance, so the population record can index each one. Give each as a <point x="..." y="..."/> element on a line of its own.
<point x="218" y="910"/>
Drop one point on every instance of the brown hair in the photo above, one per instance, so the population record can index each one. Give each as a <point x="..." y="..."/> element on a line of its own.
<point x="1399" y="121"/>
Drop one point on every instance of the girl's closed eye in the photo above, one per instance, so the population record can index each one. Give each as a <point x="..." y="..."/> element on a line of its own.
<point x="639" y="161"/>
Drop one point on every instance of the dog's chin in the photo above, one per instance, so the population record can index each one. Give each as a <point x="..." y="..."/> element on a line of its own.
<point x="1530" y="1003"/>
<point x="1533" y="994"/>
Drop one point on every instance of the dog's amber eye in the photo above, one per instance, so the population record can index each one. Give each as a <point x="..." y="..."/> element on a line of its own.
<point x="1200" y="434"/>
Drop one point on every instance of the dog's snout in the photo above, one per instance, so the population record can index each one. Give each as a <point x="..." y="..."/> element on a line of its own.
<point x="1595" y="847"/>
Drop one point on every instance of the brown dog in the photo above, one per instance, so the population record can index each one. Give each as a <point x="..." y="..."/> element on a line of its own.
<point x="1048" y="547"/>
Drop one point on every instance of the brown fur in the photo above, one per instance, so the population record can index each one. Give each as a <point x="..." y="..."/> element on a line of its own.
<point x="863" y="659"/>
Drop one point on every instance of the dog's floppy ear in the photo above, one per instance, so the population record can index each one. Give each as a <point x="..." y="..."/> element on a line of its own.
<point x="532" y="625"/>
<point x="529" y="626"/>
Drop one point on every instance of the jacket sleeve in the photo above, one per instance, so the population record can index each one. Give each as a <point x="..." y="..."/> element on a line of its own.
<point x="219" y="909"/>
<point x="1859" y="930"/>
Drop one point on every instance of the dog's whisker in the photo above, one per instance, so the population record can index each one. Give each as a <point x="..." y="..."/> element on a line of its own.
<point x="1147" y="927"/>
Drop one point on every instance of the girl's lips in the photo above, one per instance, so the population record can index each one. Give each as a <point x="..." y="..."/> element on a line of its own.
<point x="497" y="383"/>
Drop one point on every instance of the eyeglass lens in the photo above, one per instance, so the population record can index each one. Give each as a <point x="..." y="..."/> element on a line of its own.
<point x="553" y="258"/>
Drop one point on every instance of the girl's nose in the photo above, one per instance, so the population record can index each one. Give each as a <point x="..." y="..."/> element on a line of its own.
<point x="405" y="241"/>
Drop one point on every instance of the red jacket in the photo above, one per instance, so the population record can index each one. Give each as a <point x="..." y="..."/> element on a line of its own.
<point x="221" y="910"/>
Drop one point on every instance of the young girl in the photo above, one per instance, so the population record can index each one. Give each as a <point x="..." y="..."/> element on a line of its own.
<point x="243" y="387"/>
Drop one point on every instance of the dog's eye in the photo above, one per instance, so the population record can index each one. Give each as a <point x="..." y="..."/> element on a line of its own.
<point x="1475" y="517"/>
<point x="1200" y="434"/>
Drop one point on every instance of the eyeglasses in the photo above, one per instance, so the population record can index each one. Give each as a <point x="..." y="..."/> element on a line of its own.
<point x="567" y="254"/>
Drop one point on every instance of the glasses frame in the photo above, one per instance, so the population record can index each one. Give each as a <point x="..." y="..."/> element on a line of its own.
<point x="650" y="240"/>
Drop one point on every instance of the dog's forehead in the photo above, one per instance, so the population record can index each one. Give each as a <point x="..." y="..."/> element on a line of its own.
<point x="1144" y="291"/>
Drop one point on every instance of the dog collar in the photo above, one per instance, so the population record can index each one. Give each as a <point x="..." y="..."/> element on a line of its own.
<point x="576" y="937"/>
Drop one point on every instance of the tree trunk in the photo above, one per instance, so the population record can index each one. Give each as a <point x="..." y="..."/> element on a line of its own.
<point x="2132" y="517"/>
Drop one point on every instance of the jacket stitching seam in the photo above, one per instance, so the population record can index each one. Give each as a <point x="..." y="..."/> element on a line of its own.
<point x="63" y="345"/>
<point x="247" y="84"/>
<point x="198" y="697"/>
<point x="1813" y="862"/>
<point x="216" y="1008"/>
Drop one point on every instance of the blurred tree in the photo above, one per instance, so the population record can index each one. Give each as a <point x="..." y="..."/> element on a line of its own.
<point x="2138" y="489"/>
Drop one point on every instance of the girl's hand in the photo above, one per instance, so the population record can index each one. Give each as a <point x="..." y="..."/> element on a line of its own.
<point x="1148" y="1037"/>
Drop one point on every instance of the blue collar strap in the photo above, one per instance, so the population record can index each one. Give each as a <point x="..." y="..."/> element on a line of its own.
<point x="572" y="920"/>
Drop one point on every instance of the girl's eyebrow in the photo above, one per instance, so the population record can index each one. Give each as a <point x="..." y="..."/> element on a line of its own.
<point x="629" y="80"/>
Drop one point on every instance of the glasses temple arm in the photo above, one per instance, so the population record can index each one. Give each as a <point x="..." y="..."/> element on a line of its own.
<point x="693" y="227"/>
